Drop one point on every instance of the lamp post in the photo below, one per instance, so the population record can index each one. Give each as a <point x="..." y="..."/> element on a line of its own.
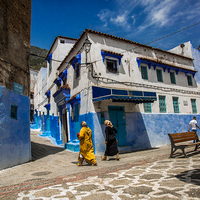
<point x="87" y="46"/>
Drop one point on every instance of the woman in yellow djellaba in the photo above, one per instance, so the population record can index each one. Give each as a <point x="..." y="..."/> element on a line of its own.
<point x="86" y="145"/>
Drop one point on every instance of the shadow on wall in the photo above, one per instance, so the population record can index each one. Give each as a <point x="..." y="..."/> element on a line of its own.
<point x="146" y="130"/>
<point x="136" y="132"/>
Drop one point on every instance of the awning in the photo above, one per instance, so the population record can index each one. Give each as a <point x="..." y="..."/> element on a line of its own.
<point x="117" y="95"/>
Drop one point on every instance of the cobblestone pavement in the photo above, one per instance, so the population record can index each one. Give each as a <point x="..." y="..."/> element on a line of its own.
<point x="135" y="176"/>
<point x="165" y="179"/>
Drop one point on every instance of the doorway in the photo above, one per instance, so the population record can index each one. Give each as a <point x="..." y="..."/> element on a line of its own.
<point x="117" y="117"/>
<point x="64" y="126"/>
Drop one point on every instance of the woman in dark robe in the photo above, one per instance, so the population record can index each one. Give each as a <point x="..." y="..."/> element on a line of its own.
<point x="111" y="141"/>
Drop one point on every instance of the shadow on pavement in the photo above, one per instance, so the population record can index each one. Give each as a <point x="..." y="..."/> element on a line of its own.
<point x="140" y="150"/>
<point x="191" y="153"/>
<point x="190" y="176"/>
<point x="39" y="151"/>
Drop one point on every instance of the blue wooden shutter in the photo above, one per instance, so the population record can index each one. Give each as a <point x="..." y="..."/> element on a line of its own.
<point x="189" y="78"/>
<point x="172" y="77"/>
<point x="144" y="72"/>
<point x="159" y="75"/>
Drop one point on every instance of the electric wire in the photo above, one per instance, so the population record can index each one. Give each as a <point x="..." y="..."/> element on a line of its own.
<point x="135" y="47"/>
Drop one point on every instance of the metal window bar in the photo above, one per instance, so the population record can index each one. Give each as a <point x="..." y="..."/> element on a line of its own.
<point x="176" y="104"/>
<point x="13" y="112"/>
<point x="194" y="106"/>
<point x="162" y="104"/>
<point x="147" y="107"/>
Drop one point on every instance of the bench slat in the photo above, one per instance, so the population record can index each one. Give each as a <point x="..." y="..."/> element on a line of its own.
<point x="183" y="137"/>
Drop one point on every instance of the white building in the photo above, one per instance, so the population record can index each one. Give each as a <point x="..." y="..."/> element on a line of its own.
<point x="188" y="50"/>
<point x="146" y="92"/>
<point x="33" y="81"/>
<point x="59" y="49"/>
<point x="40" y="99"/>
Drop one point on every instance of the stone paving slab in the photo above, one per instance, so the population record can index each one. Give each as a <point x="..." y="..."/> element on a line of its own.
<point x="156" y="180"/>
<point x="147" y="174"/>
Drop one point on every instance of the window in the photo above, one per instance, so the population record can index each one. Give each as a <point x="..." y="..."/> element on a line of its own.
<point x="189" y="79"/>
<point x="159" y="75"/>
<point x="172" y="78"/>
<point x="49" y="60"/>
<point x="13" y="112"/>
<point x="162" y="104"/>
<point x="77" y="70"/>
<point x="147" y="107"/>
<point x="194" y="106"/>
<point x="175" y="103"/>
<point x="144" y="72"/>
<point x="111" y="65"/>
<point x="62" y="41"/>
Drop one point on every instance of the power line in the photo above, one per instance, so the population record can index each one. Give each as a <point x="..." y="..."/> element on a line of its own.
<point x="173" y="33"/>
<point x="132" y="48"/>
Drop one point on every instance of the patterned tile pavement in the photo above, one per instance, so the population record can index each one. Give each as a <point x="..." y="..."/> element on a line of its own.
<point x="147" y="174"/>
<point x="162" y="179"/>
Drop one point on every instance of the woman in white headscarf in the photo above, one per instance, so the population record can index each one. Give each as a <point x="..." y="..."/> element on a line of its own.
<point x="111" y="141"/>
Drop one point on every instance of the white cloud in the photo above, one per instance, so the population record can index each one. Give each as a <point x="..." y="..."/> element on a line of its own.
<point x="152" y="13"/>
<point x="104" y="16"/>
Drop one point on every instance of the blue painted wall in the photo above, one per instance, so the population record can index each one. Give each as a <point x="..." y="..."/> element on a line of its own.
<point x="142" y="130"/>
<point x="15" y="146"/>
<point x="151" y="130"/>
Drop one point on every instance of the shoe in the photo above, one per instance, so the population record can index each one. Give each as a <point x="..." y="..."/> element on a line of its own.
<point x="94" y="164"/>
<point x="117" y="159"/>
<point x="103" y="158"/>
<point x="78" y="164"/>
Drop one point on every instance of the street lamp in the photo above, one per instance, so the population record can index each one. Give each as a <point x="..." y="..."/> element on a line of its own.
<point x="87" y="46"/>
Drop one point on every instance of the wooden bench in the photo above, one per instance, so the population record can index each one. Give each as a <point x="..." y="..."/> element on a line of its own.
<point x="176" y="138"/>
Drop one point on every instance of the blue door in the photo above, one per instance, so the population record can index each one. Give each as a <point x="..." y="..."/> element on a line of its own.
<point x="117" y="117"/>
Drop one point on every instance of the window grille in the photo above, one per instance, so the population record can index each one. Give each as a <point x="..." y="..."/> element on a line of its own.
<point x="144" y="72"/>
<point x="189" y="79"/>
<point x="162" y="104"/>
<point x="77" y="70"/>
<point x="159" y="75"/>
<point x="176" y="104"/>
<point x="147" y="107"/>
<point x="13" y="112"/>
<point x="172" y="77"/>
<point x="194" y="106"/>
<point x="111" y="65"/>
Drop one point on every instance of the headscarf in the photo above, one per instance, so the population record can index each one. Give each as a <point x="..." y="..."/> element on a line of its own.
<point x="83" y="124"/>
<point x="108" y="123"/>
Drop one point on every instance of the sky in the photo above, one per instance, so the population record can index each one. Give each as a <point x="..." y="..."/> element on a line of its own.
<point x="141" y="21"/>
